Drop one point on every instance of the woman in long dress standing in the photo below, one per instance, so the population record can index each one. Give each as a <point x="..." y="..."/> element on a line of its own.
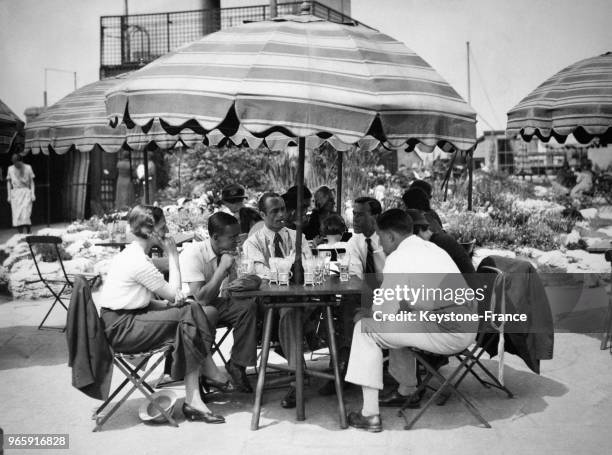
<point x="125" y="194"/>
<point x="20" y="190"/>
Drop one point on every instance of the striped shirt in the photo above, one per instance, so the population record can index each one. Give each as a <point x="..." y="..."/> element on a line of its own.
<point x="132" y="280"/>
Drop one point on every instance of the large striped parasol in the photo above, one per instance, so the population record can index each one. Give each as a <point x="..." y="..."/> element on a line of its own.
<point x="11" y="128"/>
<point x="79" y="121"/>
<point x="577" y="100"/>
<point x="302" y="78"/>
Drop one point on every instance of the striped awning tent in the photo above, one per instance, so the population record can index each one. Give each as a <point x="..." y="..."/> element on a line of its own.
<point x="297" y="76"/>
<point x="577" y="100"/>
<point x="79" y="121"/>
<point x="11" y="128"/>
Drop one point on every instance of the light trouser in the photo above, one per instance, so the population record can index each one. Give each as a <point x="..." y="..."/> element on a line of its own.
<point x="365" y="366"/>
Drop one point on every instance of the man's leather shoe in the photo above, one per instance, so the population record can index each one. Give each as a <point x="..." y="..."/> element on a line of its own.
<point x="288" y="401"/>
<point x="199" y="416"/>
<point x="395" y="399"/>
<point x="239" y="378"/>
<point x="370" y="423"/>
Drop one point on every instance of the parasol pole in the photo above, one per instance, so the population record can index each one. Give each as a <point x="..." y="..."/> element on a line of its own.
<point x="146" y="175"/>
<point x="339" y="184"/>
<point x="298" y="268"/>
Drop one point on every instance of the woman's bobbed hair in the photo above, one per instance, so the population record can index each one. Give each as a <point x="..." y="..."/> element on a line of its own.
<point x="143" y="218"/>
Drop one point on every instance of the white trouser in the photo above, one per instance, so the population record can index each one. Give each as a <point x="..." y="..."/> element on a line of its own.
<point x="365" y="366"/>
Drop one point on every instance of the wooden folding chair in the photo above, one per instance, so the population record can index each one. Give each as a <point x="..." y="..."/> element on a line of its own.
<point x="63" y="283"/>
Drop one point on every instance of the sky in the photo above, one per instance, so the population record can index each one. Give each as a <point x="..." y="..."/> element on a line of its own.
<point x="515" y="44"/>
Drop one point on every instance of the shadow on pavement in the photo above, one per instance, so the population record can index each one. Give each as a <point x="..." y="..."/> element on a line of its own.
<point x="530" y="397"/>
<point x="26" y="346"/>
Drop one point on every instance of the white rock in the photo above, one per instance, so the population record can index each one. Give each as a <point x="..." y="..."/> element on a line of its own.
<point x="540" y="191"/>
<point x="81" y="236"/>
<point x="572" y="238"/>
<point x="537" y="206"/>
<point x="589" y="214"/>
<point x="481" y="253"/>
<point x="19" y="253"/>
<point x="605" y="212"/>
<point x="607" y="231"/>
<point x="51" y="231"/>
<point x="553" y="259"/>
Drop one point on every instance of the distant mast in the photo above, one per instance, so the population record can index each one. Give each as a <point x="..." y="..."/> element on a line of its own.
<point x="469" y="85"/>
<point x="470" y="157"/>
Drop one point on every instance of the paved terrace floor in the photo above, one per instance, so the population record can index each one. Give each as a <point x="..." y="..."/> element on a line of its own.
<point x="567" y="409"/>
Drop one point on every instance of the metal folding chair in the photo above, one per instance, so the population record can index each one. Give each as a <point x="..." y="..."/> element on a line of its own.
<point x="606" y="341"/>
<point x="64" y="284"/>
<point x="132" y="374"/>
<point x="216" y="345"/>
<point x="468" y="360"/>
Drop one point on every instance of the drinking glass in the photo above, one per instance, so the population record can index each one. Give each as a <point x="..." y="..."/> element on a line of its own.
<point x="343" y="265"/>
<point x="284" y="270"/>
<point x="309" y="272"/>
<point x="326" y="257"/>
<point x="273" y="270"/>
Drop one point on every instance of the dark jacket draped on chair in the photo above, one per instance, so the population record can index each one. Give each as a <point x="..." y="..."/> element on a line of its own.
<point x="533" y="340"/>
<point x="89" y="354"/>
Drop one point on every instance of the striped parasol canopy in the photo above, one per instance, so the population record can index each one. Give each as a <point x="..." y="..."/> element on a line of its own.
<point x="299" y="76"/>
<point x="79" y="121"/>
<point x="11" y="128"/>
<point x="577" y="100"/>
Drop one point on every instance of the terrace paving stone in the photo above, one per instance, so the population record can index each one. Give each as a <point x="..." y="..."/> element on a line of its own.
<point x="564" y="410"/>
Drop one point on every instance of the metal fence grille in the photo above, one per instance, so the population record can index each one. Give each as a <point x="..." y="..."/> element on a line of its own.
<point x="128" y="42"/>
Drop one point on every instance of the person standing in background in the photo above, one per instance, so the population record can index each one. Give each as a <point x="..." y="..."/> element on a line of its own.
<point x="20" y="191"/>
<point x="125" y="194"/>
<point x="152" y="181"/>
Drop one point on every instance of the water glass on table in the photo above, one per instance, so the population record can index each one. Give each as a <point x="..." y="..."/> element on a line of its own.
<point x="343" y="265"/>
<point x="326" y="258"/>
<point x="319" y="270"/>
<point x="284" y="270"/>
<point x="245" y="266"/>
<point x="274" y="270"/>
<point x="309" y="271"/>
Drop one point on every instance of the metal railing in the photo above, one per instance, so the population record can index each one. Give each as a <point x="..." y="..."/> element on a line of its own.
<point x="128" y="42"/>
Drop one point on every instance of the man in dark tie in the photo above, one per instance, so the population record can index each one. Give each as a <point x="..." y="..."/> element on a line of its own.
<point x="276" y="240"/>
<point x="367" y="263"/>
<point x="206" y="268"/>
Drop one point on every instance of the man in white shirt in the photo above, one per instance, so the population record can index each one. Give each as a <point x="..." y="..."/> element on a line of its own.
<point x="207" y="267"/>
<point x="367" y="262"/>
<point x="276" y="240"/>
<point x="367" y="255"/>
<point x="415" y="263"/>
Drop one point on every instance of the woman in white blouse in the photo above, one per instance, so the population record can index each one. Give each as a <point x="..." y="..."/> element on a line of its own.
<point x="135" y="322"/>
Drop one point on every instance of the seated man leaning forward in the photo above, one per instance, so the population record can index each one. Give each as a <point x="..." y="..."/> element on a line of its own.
<point x="276" y="240"/>
<point x="207" y="268"/>
<point x="412" y="263"/>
